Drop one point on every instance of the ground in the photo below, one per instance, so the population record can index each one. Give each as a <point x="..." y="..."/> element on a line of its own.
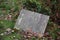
<point x="9" y="11"/>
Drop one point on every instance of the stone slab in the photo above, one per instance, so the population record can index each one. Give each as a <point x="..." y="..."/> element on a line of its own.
<point x="36" y="21"/>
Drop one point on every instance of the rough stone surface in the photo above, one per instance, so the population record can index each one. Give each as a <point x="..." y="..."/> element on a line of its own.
<point x="36" y="21"/>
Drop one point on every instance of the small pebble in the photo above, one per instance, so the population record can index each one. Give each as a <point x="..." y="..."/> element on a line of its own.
<point x="25" y="36"/>
<point x="35" y="34"/>
<point x="14" y="36"/>
<point x="12" y="30"/>
<point x="16" y="39"/>
<point x="6" y="18"/>
<point x="10" y="16"/>
<point x="40" y="35"/>
<point x="29" y="36"/>
<point x="8" y="29"/>
<point x="26" y="39"/>
<point x="5" y="33"/>
<point x="2" y="34"/>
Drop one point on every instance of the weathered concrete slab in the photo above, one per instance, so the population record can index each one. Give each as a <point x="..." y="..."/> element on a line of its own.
<point x="27" y="19"/>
